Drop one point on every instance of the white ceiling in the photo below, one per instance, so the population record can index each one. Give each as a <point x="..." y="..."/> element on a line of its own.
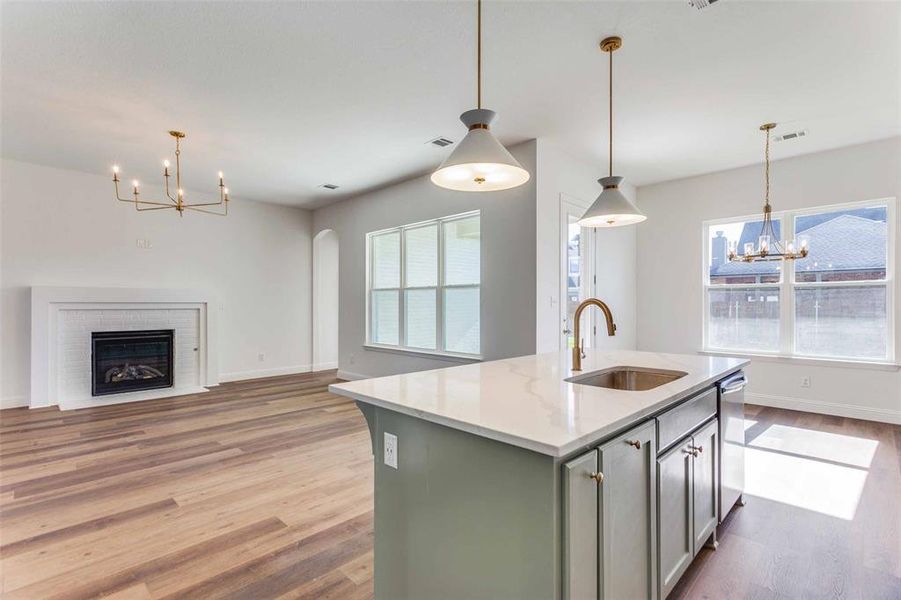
<point x="286" y="96"/>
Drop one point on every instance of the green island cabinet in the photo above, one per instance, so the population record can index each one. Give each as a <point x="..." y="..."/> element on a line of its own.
<point x="635" y="517"/>
<point x="461" y="515"/>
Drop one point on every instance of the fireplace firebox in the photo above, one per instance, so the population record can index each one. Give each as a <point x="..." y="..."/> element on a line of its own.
<point x="128" y="361"/>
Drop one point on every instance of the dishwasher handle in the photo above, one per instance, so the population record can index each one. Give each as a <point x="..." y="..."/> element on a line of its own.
<point x="734" y="384"/>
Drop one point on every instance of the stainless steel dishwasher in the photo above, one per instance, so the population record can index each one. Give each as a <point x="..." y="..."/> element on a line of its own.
<point x="731" y="408"/>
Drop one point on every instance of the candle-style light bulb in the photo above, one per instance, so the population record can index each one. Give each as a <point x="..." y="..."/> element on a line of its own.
<point x="790" y="246"/>
<point x="181" y="192"/>
<point x="226" y="191"/>
<point x="220" y="174"/>
<point x="166" y="163"/>
<point x="749" y="248"/>
<point x="116" y="169"/>
<point x="135" y="183"/>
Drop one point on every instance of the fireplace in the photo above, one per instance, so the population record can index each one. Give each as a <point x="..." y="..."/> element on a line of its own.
<point x="128" y="361"/>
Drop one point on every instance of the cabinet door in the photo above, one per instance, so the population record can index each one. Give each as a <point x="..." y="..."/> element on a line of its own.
<point x="675" y="514"/>
<point x="706" y="447"/>
<point x="628" y="515"/>
<point x="580" y="528"/>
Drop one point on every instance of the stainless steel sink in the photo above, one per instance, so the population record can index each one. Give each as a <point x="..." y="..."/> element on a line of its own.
<point x="633" y="379"/>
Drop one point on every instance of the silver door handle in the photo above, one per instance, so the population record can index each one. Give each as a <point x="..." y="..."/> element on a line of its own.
<point x="567" y="331"/>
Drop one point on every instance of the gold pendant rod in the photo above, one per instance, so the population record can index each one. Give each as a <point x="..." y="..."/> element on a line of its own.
<point x="479" y="54"/>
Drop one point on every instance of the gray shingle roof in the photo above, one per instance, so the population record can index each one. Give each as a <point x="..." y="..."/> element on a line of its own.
<point x="843" y="243"/>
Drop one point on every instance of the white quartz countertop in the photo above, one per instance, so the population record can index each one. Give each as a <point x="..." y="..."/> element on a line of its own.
<point x="525" y="401"/>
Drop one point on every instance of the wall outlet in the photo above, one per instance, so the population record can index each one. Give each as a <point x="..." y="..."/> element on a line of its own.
<point x="391" y="450"/>
<point x="142" y="243"/>
<point x="261" y="357"/>
<point x="352" y="358"/>
<point x="805" y="381"/>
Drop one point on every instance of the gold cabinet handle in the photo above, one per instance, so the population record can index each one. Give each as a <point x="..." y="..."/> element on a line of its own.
<point x="598" y="477"/>
<point x="634" y="443"/>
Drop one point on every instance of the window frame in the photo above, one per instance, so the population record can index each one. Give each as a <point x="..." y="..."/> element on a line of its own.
<point x="440" y="287"/>
<point x="788" y="286"/>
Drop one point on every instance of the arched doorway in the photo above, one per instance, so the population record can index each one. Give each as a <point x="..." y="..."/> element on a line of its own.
<point x="325" y="300"/>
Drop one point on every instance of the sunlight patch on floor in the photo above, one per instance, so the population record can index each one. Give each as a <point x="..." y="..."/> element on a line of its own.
<point x="845" y="449"/>
<point x="807" y="483"/>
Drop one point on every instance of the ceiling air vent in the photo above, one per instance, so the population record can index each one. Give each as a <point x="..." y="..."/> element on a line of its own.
<point x="329" y="186"/>
<point x="441" y="142"/>
<point x="790" y="136"/>
<point x="701" y="4"/>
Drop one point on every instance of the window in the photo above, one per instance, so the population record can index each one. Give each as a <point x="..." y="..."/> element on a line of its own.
<point x="835" y="303"/>
<point x="423" y="286"/>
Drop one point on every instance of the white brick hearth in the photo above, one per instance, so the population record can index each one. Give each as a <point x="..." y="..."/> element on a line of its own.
<point x="74" y="345"/>
<point x="64" y="318"/>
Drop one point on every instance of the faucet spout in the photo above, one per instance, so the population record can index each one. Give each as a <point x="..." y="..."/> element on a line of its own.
<point x="577" y="346"/>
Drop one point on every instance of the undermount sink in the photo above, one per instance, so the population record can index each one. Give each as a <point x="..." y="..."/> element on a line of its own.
<point x="633" y="379"/>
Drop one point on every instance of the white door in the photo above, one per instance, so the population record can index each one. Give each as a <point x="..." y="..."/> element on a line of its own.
<point x="576" y="272"/>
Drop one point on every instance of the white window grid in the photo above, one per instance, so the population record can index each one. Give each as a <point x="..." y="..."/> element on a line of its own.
<point x="440" y="338"/>
<point x="788" y="286"/>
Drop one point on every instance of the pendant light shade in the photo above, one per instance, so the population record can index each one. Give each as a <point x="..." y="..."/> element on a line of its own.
<point x="611" y="208"/>
<point x="479" y="163"/>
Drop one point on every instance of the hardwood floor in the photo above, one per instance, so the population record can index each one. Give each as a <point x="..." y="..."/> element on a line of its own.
<point x="263" y="489"/>
<point x="822" y="518"/>
<point x="259" y="489"/>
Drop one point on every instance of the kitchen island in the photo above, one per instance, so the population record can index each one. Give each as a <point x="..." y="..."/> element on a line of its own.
<point x="519" y="478"/>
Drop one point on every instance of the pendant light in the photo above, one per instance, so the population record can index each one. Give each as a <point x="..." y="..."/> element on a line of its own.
<point x="479" y="163"/>
<point x="612" y="208"/>
<point x="769" y="248"/>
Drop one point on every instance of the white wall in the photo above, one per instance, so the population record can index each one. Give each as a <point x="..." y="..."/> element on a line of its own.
<point x="65" y="228"/>
<point x="669" y="268"/>
<point x="561" y="174"/>
<point x="325" y="300"/>
<point x="508" y="265"/>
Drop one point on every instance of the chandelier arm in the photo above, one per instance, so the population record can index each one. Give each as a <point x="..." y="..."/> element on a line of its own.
<point x="157" y="206"/>
<point x="203" y="204"/>
<point x="222" y="198"/>
<point x="149" y="202"/>
<point x="209" y="212"/>
<point x="168" y="195"/>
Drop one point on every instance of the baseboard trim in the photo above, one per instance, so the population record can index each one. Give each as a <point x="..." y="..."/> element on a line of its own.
<point x="851" y="411"/>
<point x="13" y="401"/>
<point x="350" y="376"/>
<point x="328" y="366"/>
<point x="261" y="373"/>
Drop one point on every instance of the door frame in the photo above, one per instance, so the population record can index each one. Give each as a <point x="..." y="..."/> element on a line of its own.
<point x="572" y="206"/>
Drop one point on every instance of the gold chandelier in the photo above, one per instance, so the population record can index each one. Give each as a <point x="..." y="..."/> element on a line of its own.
<point x="176" y="202"/>
<point x="769" y="248"/>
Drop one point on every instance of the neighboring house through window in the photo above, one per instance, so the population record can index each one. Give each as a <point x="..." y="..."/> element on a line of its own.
<point x="835" y="303"/>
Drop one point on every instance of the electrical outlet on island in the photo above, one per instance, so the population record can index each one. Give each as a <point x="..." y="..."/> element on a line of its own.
<point x="391" y="450"/>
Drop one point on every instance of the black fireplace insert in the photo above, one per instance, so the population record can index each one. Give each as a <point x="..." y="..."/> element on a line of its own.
<point x="128" y="361"/>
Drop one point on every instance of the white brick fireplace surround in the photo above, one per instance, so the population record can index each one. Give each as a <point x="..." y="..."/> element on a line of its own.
<point x="63" y="318"/>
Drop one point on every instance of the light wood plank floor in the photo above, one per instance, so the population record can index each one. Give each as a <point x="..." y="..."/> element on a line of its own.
<point x="263" y="489"/>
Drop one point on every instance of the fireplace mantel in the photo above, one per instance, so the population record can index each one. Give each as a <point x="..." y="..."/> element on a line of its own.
<point x="52" y="307"/>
